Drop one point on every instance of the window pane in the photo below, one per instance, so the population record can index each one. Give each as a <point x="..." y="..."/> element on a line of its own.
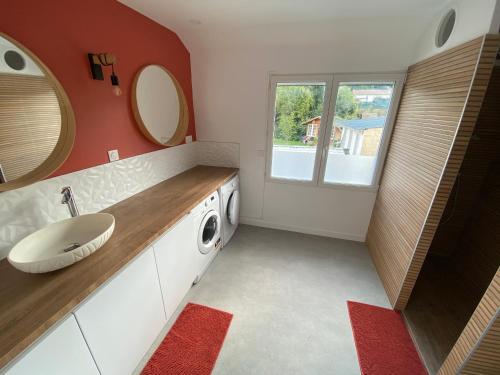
<point x="358" y="125"/>
<point x="298" y="110"/>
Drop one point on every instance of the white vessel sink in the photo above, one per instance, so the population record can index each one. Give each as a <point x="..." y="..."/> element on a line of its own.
<point x="62" y="244"/>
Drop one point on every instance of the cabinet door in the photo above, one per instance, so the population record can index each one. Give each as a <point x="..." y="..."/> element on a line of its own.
<point x="176" y="261"/>
<point x="121" y="321"/>
<point x="63" y="351"/>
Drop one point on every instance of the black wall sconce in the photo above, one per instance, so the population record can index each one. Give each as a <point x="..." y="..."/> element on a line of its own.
<point x="97" y="61"/>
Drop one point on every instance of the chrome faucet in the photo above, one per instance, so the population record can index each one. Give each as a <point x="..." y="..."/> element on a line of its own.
<point x="69" y="199"/>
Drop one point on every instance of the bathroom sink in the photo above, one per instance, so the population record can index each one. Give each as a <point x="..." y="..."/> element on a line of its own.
<point x="63" y="243"/>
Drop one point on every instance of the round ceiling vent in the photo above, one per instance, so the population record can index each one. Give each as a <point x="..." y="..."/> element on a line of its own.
<point x="445" y="28"/>
<point x="14" y="60"/>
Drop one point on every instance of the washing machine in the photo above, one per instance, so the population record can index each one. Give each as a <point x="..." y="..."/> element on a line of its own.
<point x="230" y="208"/>
<point x="208" y="227"/>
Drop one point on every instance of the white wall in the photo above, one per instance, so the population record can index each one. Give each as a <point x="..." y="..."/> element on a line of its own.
<point x="230" y="85"/>
<point x="473" y="19"/>
<point x="495" y="22"/>
<point x="235" y="46"/>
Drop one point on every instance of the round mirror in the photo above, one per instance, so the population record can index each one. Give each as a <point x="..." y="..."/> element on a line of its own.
<point x="37" y="126"/>
<point x="159" y="106"/>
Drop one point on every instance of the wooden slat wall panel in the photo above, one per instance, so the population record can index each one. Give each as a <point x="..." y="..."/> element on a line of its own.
<point x="485" y="360"/>
<point x="461" y="210"/>
<point x="479" y="254"/>
<point x="465" y="130"/>
<point x="471" y="355"/>
<point x="30" y="123"/>
<point x="429" y="115"/>
<point x="475" y="222"/>
<point x="478" y="257"/>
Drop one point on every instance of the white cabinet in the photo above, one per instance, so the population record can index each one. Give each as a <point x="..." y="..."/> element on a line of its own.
<point x="176" y="261"/>
<point x="112" y="330"/>
<point x="121" y="320"/>
<point x="63" y="351"/>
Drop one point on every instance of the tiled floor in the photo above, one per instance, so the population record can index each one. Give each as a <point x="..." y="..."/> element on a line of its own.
<point x="288" y="294"/>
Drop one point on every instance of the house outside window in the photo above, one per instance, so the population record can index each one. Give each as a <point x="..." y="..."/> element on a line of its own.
<point x="313" y="127"/>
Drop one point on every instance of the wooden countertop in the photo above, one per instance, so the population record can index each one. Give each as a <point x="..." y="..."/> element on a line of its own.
<point x="31" y="303"/>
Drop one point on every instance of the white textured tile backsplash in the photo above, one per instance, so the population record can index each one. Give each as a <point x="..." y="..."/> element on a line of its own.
<point x="28" y="209"/>
<point x="222" y="154"/>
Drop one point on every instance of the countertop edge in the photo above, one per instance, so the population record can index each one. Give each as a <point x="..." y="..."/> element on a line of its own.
<point x="25" y="343"/>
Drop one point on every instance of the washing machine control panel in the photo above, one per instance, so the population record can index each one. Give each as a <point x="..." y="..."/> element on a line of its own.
<point x="206" y="205"/>
<point x="209" y="200"/>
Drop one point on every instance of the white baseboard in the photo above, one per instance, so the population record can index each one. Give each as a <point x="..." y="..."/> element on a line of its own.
<point x="290" y="228"/>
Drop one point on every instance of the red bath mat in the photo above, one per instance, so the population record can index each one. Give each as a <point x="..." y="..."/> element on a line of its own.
<point x="383" y="343"/>
<point x="193" y="344"/>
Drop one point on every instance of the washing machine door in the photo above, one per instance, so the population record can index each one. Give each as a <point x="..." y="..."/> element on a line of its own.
<point x="233" y="208"/>
<point x="209" y="232"/>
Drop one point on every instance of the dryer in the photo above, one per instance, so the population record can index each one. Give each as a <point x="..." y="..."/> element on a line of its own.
<point x="230" y="208"/>
<point x="208" y="232"/>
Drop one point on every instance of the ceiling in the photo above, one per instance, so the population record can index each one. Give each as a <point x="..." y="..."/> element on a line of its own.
<point x="234" y="21"/>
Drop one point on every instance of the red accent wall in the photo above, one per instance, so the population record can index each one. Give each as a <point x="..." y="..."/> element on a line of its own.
<point x="62" y="32"/>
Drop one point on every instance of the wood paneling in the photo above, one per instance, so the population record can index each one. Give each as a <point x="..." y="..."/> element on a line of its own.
<point x="477" y="258"/>
<point x="450" y="287"/>
<point x="482" y="153"/>
<point x="438" y="110"/>
<point x="478" y="255"/>
<point x="439" y="308"/>
<point x="485" y="359"/>
<point x="477" y="347"/>
<point x="31" y="303"/>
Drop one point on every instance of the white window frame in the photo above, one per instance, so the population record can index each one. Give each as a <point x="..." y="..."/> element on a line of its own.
<point x="332" y="84"/>
<point x="302" y="79"/>
<point x="398" y="80"/>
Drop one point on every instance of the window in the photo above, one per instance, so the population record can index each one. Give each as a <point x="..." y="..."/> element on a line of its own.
<point x="330" y="129"/>
<point x="296" y="124"/>
<point x="358" y="124"/>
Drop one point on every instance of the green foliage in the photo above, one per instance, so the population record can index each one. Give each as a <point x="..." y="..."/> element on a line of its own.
<point x="294" y="106"/>
<point x="289" y="143"/>
<point x="346" y="106"/>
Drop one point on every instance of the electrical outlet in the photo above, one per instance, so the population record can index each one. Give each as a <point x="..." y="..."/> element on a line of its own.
<point x="113" y="155"/>
<point x="189" y="138"/>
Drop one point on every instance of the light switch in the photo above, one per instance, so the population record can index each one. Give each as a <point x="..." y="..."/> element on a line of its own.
<point x="113" y="155"/>
<point x="189" y="138"/>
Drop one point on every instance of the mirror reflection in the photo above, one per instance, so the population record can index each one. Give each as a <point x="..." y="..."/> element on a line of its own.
<point x="30" y="115"/>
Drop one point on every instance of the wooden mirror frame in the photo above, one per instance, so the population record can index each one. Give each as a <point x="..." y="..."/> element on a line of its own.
<point x="66" y="139"/>
<point x="182" y="125"/>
